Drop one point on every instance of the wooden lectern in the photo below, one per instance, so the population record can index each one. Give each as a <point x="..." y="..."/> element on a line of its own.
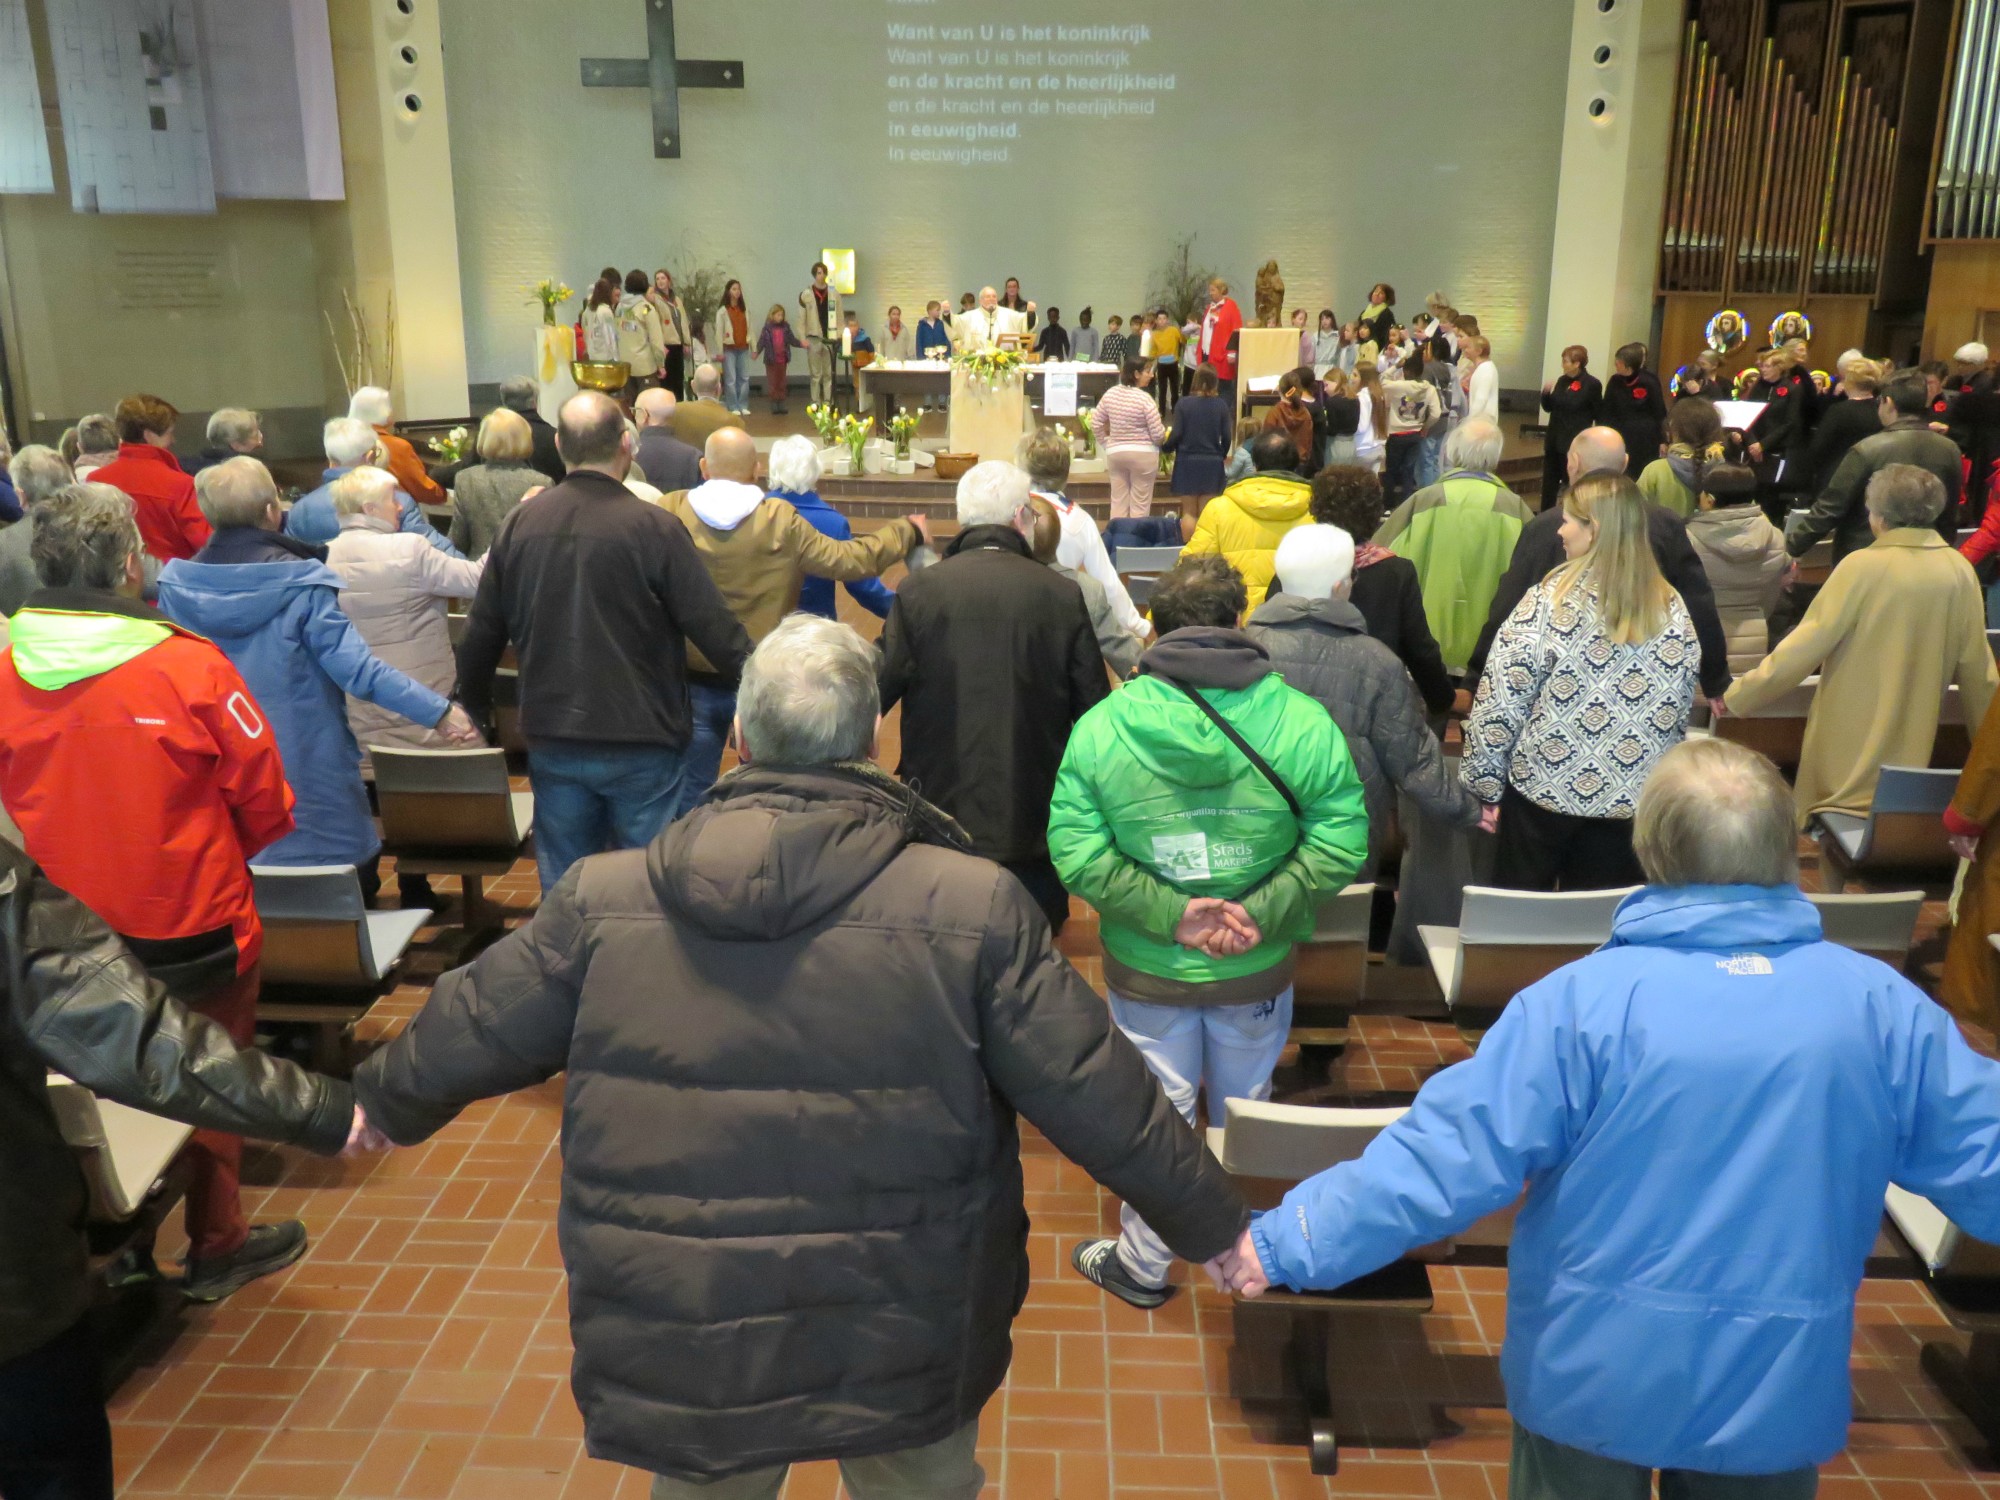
<point x="989" y="419"/>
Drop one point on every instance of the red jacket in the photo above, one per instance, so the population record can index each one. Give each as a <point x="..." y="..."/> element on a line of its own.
<point x="170" y="523"/>
<point x="142" y="774"/>
<point x="1216" y="347"/>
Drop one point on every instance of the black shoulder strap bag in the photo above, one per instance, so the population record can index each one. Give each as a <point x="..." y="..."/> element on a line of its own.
<point x="1229" y="730"/>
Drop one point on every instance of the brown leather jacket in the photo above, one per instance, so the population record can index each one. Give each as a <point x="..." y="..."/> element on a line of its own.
<point x="77" y="1002"/>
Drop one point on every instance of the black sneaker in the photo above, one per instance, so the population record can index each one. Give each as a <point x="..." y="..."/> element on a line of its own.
<point x="271" y="1247"/>
<point x="1097" y="1261"/>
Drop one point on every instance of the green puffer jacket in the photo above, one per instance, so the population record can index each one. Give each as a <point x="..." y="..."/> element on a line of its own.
<point x="1153" y="805"/>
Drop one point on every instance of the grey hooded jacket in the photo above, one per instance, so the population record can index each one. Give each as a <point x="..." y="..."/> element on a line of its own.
<point x="1322" y="648"/>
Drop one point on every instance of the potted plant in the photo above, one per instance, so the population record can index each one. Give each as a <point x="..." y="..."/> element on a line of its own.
<point x="550" y="294"/>
<point x="902" y="430"/>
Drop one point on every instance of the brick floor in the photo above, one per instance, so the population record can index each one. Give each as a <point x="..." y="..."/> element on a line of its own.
<point x="420" y="1351"/>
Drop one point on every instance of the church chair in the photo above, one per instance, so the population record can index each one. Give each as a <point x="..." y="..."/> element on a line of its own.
<point x="325" y="953"/>
<point x="136" y="1170"/>
<point x="1506" y="940"/>
<point x="1901" y="840"/>
<point x="1962" y="1276"/>
<point x="507" y="710"/>
<point x="453" y="812"/>
<point x="1267" y="1148"/>
<point x="1993" y="643"/>
<point x="1331" y="975"/>
<point x="1881" y="924"/>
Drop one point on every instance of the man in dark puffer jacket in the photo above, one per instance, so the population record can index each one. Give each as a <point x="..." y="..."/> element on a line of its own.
<point x="797" y="1028"/>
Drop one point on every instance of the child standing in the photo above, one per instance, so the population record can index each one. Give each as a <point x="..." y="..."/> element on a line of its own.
<point x="775" y="343"/>
<point x="1166" y="361"/>
<point x="1115" y="344"/>
<point x="1085" y="341"/>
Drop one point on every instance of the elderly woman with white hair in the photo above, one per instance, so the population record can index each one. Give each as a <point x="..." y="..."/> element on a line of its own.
<point x="485" y="493"/>
<point x="35" y="473"/>
<point x="1974" y="422"/>
<point x="1460" y="533"/>
<point x="371" y="404"/>
<point x="1896" y="624"/>
<point x="795" y="472"/>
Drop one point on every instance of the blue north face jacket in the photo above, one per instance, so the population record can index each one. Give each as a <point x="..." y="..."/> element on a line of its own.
<point x="1705" y="1114"/>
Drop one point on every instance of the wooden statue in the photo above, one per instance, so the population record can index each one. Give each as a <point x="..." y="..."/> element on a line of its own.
<point x="1270" y="296"/>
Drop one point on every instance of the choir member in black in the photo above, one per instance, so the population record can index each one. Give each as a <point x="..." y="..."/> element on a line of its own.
<point x="1974" y="424"/>
<point x="1778" y="443"/>
<point x="1844" y="421"/>
<point x="1572" y="402"/>
<point x="1635" y="408"/>
<point x="1941" y="400"/>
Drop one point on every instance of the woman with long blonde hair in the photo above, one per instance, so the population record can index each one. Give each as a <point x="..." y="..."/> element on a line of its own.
<point x="1371" y="432"/>
<point x="1588" y="684"/>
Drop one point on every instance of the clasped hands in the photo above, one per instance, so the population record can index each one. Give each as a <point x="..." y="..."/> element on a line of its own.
<point x="1219" y="928"/>
<point x="1239" y="1269"/>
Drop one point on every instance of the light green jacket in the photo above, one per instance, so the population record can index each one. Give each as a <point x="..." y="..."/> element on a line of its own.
<point x="1460" y="533"/>
<point x="1153" y="806"/>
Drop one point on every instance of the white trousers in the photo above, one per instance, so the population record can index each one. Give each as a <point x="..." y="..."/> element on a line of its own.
<point x="1229" y="1050"/>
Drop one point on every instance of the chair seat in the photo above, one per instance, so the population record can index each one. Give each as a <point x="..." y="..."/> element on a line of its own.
<point x="1845" y="829"/>
<point x="1441" y="948"/>
<point x="522" y="805"/>
<point x="390" y="932"/>
<point x="124" y="1151"/>
<point x="1920" y="1222"/>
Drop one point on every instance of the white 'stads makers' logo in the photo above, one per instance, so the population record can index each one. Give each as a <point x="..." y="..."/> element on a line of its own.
<point x="1745" y="963"/>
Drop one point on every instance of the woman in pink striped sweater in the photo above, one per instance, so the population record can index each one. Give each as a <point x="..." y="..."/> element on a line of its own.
<point x="1129" y="430"/>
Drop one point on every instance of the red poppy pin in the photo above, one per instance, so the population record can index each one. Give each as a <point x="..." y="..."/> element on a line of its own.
<point x="1575" y="386"/>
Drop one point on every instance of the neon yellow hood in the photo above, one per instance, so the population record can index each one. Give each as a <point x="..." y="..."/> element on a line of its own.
<point x="54" y="648"/>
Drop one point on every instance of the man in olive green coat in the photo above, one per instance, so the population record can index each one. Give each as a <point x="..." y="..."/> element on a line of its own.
<point x="1205" y="866"/>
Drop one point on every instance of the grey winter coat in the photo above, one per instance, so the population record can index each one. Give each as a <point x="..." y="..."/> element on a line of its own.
<point x="797" y="1028"/>
<point x="1121" y="648"/>
<point x="1322" y="647"/>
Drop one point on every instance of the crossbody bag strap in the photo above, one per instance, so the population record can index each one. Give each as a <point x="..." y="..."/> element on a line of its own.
<point x="1249" y="753"/>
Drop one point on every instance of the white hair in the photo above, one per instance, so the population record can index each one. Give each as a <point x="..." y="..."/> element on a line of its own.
<point x="232" y="425"/>
<point x="707" y="381"/>
<point x="352" y="491"/>
<point x="1848" y="357"/>
<point x="237" y="492"/>
<point x="795" y="467"/>
<point x="37" y="472"/>
<point x="1974" y="353"/>
<point x="348" y="441"/>
<point x="1715" y="813"/>
<point x="371" y="404"/>
<point x="808" y="696"/>
<point x="991" y="493"/>
<point x="1313" y="561"/>
<point x="1476" y="444"/>
<point x="1903" y="495"/>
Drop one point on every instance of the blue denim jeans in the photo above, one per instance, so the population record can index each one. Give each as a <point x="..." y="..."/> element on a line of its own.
<point x="736" y="379"/>
<point x="714" y="712"/>
<point x="1430" y="460"/>
<point x="591" y="798"/>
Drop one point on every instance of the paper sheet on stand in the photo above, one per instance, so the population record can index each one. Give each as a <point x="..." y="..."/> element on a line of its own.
<point x="1058" y="391"/>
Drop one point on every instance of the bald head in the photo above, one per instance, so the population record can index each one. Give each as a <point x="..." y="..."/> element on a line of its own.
<point x="707" y="383"/>
<point x="1596" y="450"/>
<point x="731" y="453"/>
<point x="654" y="408"/>
<point x="988" y="298"/>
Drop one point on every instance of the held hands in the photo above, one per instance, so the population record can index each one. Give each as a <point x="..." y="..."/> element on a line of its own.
<point x="1239" y="1269"/>
<point x="1489" y="818"/>
<point x="1221" y="929"/>
<point x="923" y="524"/>
<point x="1963" y="845"/>
<point x="362" y="1137"/>
<point x="457" y="727"/>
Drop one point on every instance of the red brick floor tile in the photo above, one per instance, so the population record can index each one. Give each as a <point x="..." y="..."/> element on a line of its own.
<point x="293" y="1481"/>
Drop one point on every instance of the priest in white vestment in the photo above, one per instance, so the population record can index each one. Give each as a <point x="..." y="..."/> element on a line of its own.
<point x="981" y="327"/>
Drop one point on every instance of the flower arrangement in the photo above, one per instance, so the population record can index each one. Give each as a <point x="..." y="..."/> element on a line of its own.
<point x="453" y="446"/>
<point x="989" y="366"/>
<point x="550" y="294"/>
<point x="826" y="422"/>
<point x="854" y="432"/>
<point x="1083" y="410"/>
<point x="902" y="428"/>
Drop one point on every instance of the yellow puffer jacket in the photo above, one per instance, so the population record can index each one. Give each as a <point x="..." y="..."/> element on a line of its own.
<point x="1246" y="522"/>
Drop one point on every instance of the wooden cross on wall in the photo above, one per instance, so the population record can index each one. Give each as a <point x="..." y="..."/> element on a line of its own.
<point x="663" y="71"/>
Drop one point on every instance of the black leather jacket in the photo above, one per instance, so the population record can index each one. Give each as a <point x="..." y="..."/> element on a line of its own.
<point x="78" y="1002"/>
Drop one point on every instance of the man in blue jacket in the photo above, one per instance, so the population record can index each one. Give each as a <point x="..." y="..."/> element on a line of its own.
<point x="1705" y="1114"/>
<point x="350" y="444"/>
<point x="272" y="604"/>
